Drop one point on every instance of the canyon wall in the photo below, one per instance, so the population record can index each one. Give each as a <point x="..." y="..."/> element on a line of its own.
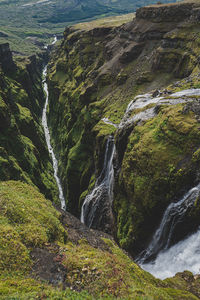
<point x="94" y="74"/>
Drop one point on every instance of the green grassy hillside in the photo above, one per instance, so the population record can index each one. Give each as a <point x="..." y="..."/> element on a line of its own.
<point x="43" y="255"/>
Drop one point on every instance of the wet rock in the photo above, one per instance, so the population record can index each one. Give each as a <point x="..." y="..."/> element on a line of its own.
<point x="194" y="107"/>
<point x="2" y="34"/>
<point x="78" y="231"/>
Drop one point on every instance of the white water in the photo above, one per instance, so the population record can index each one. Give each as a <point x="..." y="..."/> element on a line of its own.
<point x="184" y="93"/>
<point x="54" y="41"/>
<point x="173" y="215"/>
<point x="141" y="101"/>
<point x="107" y="121"/>
<point x="102" y="194"/>
<point x="48" y="141"/>
<point x="185" y="255"/>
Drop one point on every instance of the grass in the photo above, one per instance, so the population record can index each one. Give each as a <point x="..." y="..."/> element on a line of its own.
<point x="28" y="221"/>
<point x="105" y="22"/>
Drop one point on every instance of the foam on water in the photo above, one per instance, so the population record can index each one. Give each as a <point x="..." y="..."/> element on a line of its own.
<point x="185" y="255"/>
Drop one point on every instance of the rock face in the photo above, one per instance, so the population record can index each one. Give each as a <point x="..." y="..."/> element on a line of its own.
<point x="93" y="76"/>
<point x="23" y="153"/>
<point x="6" y="61"/>
<point x="168" y="13"/>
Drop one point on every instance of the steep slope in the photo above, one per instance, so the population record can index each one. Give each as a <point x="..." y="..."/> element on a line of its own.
<point x="23" y="153"/>
<point x="94" y="75"/>
<point x="46" y="254"/>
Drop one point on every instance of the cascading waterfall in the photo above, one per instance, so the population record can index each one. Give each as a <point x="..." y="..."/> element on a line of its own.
<point x="47" y="137"/>
<point x="93" y="205"/>
<point x="173" y="215"/>
<point x="158" y="258"/>
<point x="101" y="196"/>
<point x="185" y="255"/>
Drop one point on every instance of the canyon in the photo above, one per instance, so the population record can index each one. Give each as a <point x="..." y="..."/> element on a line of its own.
<point x="121" y="105"/>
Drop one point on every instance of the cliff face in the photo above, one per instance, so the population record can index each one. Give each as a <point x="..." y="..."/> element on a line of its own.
<point x="94" y="75"/>
<point x="23" y="153"/>
<point x="6" y="60"/>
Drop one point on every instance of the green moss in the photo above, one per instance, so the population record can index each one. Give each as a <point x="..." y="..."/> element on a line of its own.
<point x="20" y="288"/>
<point x="28" y="220"/>
<point x="14" y="255"/>
<point x="152" y="171"/>
<point x="104" y="129"/>
<point x="25" y="156"/>
<point x="24" y="113"/>
<point x="33" y="218"/>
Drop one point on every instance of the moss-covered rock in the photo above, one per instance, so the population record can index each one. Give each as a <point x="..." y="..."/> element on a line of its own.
<point x="157" y="168"/>
<point x="23" y="154"/>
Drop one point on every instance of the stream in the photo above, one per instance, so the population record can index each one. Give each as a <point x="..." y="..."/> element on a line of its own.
<point x="48" y="140"/>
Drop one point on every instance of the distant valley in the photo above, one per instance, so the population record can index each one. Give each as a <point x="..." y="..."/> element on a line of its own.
<point x="28" y="25"/>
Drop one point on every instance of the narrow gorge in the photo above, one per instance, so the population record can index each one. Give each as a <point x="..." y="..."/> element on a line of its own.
<point x="100" y="160"/>
<point x="97" y="75"/>
<point x="48" y="140"/>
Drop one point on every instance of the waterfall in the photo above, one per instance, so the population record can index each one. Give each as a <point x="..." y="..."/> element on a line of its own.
<point x="173" y="215"/>
<point x="101" y="197"/>
<point x="185" y="255"/>
<point x="161" y="258"/>
<point x="94" y="203"/>
<point x="48" y="141"/>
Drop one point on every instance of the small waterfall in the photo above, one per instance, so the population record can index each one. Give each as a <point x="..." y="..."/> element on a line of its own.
<point x="47" y="137"/>
<point x="101" y="197"/>
<point x="173" y="215"/>
<point x="185" y="255"/>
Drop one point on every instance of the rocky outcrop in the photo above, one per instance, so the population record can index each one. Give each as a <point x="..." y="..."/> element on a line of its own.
<point x="176" y="12"/>
<point x="6" y="61"/>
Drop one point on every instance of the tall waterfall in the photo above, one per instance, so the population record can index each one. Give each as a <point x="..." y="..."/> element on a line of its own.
<point x="101" y="197"/>
<point x="47" y="137"/>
